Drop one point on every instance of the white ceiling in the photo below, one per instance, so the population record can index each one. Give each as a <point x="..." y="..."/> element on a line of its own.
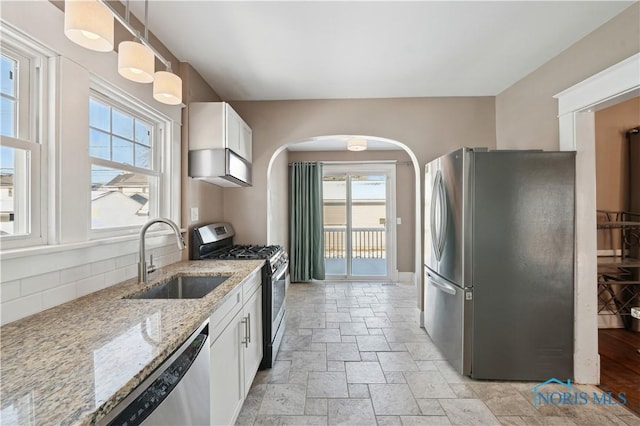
<point x="268" y="50"/>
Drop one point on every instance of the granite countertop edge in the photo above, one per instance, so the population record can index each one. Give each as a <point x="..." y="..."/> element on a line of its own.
<point x="103" y="306"/>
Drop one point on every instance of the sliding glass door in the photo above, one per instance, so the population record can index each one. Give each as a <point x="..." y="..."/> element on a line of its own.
<point x="359" y="242"/>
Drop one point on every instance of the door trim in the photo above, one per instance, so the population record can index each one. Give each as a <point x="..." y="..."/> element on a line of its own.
<point x="389" y="169"/>
<point x="577" y="132"/>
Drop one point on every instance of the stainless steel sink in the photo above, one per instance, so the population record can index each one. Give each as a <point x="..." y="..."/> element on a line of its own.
<point x="183" y="287"/>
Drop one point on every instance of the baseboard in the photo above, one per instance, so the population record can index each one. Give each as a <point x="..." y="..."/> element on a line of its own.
<point x="406" y="277"/>
<point x="612" y="252"/>
<point x="610" y="321"/>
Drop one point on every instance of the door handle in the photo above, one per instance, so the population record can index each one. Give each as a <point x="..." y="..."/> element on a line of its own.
<point x="249" y="327"/>
<point x="245" y="342"/>
<point x="446" y="287"/>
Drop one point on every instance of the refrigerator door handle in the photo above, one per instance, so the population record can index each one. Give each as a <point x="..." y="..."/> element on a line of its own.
<point x="442" y="234"/>
<point x="439" y="196"/>
<point x="432" y="217"/>
<point x="441" y="285"/>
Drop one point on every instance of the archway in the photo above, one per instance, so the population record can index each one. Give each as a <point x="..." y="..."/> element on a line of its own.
<point x="275" y="213"/>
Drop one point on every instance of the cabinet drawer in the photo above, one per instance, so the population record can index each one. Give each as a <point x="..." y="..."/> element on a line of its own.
<point x="251" y="284"/>
<point x="225" y="312"/>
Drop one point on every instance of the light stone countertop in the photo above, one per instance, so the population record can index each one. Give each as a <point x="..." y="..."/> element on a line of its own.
<point x="73" y="363"/>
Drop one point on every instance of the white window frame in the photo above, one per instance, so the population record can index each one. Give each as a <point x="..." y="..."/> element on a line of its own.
<point x="387" y="168"/>
<point x="32" y="135"/>
<point x="161" y="154"/>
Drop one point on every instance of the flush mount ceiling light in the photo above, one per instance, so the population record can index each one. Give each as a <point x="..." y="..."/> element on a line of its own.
<point x="356" y="144"/>
<point x="136" y="59"/>
<point x="89" y="23"/>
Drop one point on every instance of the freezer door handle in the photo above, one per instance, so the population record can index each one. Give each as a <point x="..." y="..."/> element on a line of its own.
<point x="441" y="285"/>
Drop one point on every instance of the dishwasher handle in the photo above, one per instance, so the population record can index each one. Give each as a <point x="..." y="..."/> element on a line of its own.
<point x="157" y="392"/>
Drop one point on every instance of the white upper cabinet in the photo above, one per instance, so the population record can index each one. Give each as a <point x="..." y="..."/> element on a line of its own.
<point x="216" y="125"/>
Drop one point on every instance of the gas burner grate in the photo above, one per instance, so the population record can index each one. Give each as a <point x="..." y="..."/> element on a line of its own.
<point x="245" y="252"/>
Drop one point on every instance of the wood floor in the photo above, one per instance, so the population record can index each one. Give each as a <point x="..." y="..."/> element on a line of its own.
<point x="620" y="364"/>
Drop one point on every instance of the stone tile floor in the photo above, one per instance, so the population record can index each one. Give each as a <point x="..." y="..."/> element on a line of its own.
<point x="354" y="354"/>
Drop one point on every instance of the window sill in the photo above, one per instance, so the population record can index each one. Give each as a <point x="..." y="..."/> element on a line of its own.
<point x="57" y="248"/>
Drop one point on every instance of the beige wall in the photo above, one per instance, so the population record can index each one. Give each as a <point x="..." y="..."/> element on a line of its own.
<point x="612" y="156"/>
<point x="208" y="198"/>
<point x="428" y="126"/>
<point x="278" y="189"/>
<point x="526" y="113"/>
<point x="523" y="116"/>
<point x="405" y="193"/>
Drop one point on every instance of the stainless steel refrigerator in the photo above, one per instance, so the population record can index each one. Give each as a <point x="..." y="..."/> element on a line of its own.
<point x="499" y="262"/>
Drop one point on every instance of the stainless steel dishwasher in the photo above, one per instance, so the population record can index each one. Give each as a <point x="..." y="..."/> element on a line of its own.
<point x="176" y="393"/>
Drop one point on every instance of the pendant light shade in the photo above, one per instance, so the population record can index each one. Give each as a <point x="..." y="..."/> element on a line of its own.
<point x="356" y="144"/>
<point x="136" y="62"/>
<point x="89" y="24"/>
<point x="167" y="88"/>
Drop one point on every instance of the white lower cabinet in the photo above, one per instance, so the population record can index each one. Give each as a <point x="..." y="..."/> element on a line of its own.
<point x="227" y="374"/>
<point x="236" y="350"/>
<point x="253" y="348"/>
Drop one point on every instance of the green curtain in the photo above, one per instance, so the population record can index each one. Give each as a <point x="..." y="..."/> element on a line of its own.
<point x="306" y="222"/>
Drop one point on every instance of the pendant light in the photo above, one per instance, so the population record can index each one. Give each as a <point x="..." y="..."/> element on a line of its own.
<point x="167" y="87"/>
<point x="86" y="24"/>
<point x="89" y="24"/>
<point x="136" y="62"/>
<point x="356" y="144"/>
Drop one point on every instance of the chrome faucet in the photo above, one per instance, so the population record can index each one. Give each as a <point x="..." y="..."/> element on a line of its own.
<point x="143" y="270"/>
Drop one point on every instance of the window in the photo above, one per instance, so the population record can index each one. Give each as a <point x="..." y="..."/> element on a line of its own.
<point x="124" y="148"/>
<point x="9" y="94"/>
<point x="22" y="78"/>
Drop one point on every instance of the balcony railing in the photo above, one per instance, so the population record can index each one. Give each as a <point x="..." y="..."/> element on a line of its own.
<point x="366" y="243"/>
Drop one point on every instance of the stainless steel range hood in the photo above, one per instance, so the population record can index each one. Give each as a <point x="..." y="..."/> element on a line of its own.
<point x="220" y="166"/>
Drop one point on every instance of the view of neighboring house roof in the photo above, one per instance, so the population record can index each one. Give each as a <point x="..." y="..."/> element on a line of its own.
<point x="114" y="208"/>
<point x="117" y="198"/>
<point x="98" y="194"/>
<point x="140" y="198"/>
<point x="129" y="179"/>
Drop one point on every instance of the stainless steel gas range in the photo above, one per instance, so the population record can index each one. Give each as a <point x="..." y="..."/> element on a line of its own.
<point x="215" y="241"/>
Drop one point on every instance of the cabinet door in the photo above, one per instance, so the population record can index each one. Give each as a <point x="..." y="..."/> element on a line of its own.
<point x="245" y="141"/>
<point x="252" y="313"/>
<point x="233" y="131"/>
<point x="227" y="373"/>
<point x="206" y="125"/>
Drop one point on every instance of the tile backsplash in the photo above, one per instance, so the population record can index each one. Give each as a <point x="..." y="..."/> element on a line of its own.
<point x="30" y="294"/>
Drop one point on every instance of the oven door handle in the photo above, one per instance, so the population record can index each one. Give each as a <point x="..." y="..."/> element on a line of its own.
<point x="281" y="270"/>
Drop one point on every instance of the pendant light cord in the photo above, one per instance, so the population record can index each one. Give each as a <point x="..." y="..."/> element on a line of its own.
<point x="146" y="19"/>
